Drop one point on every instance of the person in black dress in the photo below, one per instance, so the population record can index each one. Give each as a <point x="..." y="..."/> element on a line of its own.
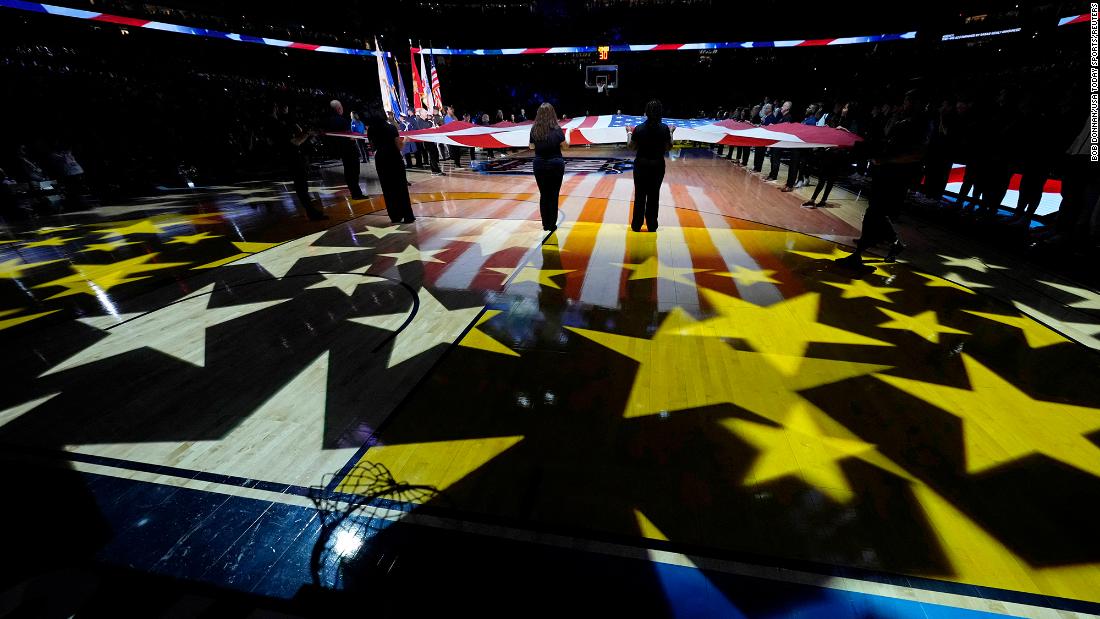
<point x="547" y="138"/>
<point x="344" y="148"/>
<point x="387" y="144"/>
<point x="652" y="139"/>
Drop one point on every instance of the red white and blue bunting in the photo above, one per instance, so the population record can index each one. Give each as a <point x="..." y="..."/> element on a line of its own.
<point x="62" y="11"/>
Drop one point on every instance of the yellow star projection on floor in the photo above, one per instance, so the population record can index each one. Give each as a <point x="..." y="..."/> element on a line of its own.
<point x="679" y="372"/>
<point x="1002" y="424"/>
<point x="786" y="328"/>
<point x="532" y="273"/>
<point x="109" y="246"/>
<point x="6" y="322"/>
<point x="15" y="268"/>
<point x="1035" y="334"/>
<point x="801" y="449"/>
<point x="93" y="279"/>
<point x="653" y="268"/>
<point x="860" y="289"/>
<point x="57" y="241"/>
<point x="924" y="324"/>
<point x="747" y="277"/>
<point x="478" y="339"/>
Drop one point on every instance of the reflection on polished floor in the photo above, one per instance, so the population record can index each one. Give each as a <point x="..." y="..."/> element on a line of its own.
<point x="714" y="413"/>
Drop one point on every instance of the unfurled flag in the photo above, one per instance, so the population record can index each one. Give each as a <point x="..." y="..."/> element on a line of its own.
<point x="385" y="83"/>
<point x="418" y="86"/>
<point x="402" y="98"/>
<point x="435" y="87"/>
<point x="426" y="87"/>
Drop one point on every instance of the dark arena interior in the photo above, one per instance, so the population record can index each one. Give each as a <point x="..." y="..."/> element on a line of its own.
<point x="526" y="308"/>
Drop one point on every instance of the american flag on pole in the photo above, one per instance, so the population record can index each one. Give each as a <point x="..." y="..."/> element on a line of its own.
<point x="436" y="94"/>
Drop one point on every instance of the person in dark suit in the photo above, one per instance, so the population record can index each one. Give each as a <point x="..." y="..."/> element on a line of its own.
<point x="343" y="148"/>
<point x="651" y="139"/>
<point x="547" y="138"/>
<point x="767" y="117"/>
<point x="388" y="145"/>
<point x="426" y="152"/>
<point x="782" y="115"/>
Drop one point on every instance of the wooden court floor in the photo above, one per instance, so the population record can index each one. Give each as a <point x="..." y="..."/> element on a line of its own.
<point x="718" y="388"/>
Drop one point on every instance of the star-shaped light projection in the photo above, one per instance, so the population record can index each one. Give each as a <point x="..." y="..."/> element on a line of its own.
<point x="1089" y="298"/>
<point x="13" y="269"/>
<point x="56" y="241"/>
<point x="786" y="328"/>
<point x="476" y="338"/>
<point x="178" y="330"/>
<point x="413" y="254"/>
<point x="144" y="226"/>
<point x="381" y="233"/>
<point x="924" y="324"/>
<point x="800" y="448"/>
<point x="1082" y="332"/>
<point x="531" y="273"/>
<point x="956" y="281"/>
<point x="439" y="464"/>
<point x="747" y="277"/>
<point x="280" y="261"/>
<point x="969" y="263"/>
<point x="191" y="239"/>
<point x="271" y="442"/>
<point x="18" y="320"/>
<point x="247" y="248"/>
<point x="94" y="279"/>
<point x="109" y="321"/>
<point x="108" y="246"/>
<point x="1000" y="423"/>
<point x="652" y="268"/>
<point x="814" y="255"/>
<point x="345" y="282"/>
<point x="432" y="325"/>
<point x="1036" y="335"/>
<point x="677" y="372"/>
<point x="861" y="289"/>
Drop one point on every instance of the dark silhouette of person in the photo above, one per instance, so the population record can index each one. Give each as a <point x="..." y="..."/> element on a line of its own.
<point x="344" y="148"/>
<point x="651" y="139"/>
<point x="388" y="143"/>
<point x="289" y="139"/>
<point x="894" y="169"/>
<point x="547" y="138"/>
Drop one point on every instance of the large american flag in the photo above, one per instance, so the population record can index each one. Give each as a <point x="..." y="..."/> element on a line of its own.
<point x="613" y="129"/>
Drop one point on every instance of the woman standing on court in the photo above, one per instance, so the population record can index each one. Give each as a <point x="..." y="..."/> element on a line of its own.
<point x="391" y="168"/>
<point x="547" y="138"/>
<point x="652" y="139"/>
